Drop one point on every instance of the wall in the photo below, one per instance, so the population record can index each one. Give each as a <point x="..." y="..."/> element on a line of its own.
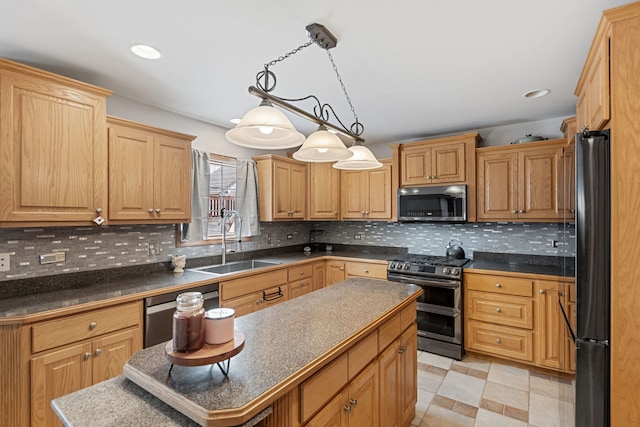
<point x="92" y="248"/>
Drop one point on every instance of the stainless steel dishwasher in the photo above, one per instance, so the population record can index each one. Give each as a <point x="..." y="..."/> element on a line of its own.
<point x="159" y="309"/>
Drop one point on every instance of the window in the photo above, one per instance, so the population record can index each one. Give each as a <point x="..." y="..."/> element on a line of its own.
<point x="222" y="195"/>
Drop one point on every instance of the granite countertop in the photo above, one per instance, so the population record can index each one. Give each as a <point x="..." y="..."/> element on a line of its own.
<point x="28" y="298"/>
<point x="522" y="263"/>
<point x="283" y="344"/>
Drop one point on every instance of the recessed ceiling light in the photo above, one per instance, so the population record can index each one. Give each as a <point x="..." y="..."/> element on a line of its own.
<point x="536" y="93"/>
<point x="145" y="51"/>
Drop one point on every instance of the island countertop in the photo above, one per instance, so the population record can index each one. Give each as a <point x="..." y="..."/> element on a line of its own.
<point x="284" y="345"/>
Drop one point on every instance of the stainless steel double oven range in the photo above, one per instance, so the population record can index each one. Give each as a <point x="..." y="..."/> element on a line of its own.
<point x="439" y="314"/>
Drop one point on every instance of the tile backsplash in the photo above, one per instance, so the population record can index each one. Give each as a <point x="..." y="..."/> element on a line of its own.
<point x="91" y="248"/>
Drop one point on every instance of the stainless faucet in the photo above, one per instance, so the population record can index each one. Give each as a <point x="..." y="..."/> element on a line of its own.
<point x="228" y="214"/>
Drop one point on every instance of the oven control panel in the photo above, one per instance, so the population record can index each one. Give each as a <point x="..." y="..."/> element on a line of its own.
<point x="423" y="269"/>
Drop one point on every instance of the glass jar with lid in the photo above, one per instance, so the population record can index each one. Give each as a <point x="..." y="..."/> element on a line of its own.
<point x="188" y="322"/>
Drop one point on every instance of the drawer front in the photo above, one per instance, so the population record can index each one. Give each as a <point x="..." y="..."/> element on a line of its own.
<point x="321" y="387"/>
<point x="501" y="309"/>
<point x="364" y="269"/>
<point x="389" y="331"/>
<point x="300" y="272"/>
<point x="500" y="340"/>
<point x="81" y="326"/>
<point x="499" y="284"/>
<point x="246" y="285"/>
<point x="363" y="353"/>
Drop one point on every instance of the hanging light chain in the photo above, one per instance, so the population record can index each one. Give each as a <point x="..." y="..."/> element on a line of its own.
<point x="356" y="127"/>
<point x="288" y="54"/>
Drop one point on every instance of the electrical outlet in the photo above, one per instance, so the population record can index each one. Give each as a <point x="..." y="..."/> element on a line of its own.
<point x="53" y="258"/>
<point x="5" y="262"/>
<point x="289" y="236"/>
<point x="358" y="236"/>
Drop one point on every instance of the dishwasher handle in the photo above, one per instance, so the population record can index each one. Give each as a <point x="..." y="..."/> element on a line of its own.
<point x="171" y="305"/>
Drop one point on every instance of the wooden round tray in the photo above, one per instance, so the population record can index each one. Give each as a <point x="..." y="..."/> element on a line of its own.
<point x="208" y="354"/>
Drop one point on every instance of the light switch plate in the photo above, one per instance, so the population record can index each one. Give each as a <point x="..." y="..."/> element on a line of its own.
<point x="5" y="262"/>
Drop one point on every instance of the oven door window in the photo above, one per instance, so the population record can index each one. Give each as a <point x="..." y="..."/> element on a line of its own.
<point x="439" y="326"/>
<point x="439" y="297"/>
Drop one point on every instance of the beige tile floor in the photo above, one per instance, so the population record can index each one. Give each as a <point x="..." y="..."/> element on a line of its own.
<point x="479" y="393"/>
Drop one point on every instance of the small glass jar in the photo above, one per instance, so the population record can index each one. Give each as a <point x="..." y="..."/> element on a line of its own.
<point x="188" y="322"/>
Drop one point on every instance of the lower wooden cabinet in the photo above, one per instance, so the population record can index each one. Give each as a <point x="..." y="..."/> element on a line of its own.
<point x="60" y="372"/>
<point x="398" y="380"/>
<point x="518" y="317"/>
<point x="335" y="272"/>
<point x="319" y="275"/>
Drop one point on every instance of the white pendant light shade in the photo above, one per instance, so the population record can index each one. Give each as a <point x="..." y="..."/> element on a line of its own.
<point x="362" y="159"/>
<point x="266" y="128"/>
<point x="322" y="146"/>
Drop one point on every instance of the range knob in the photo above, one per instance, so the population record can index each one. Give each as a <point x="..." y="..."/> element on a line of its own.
<point x="406" y="266"/>
<point x="392" y="264"/>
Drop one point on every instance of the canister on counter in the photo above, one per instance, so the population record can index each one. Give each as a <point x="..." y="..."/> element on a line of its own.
<point x="188" y="322"/>
<point x="220" y="325"/>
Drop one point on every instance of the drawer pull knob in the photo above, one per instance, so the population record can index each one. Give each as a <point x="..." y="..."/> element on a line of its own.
<point x="498" y="285"/>
<point x="498" y="341"/>
<point x="402" y="349"/>
<point x="98" y="352"/>
<point x="347" y="408"/>
<point x="150" y="210"/>
<point x="93" y="325"/>
<point x="301" y="273"/>
<point x="353" y="403"/>
<point x="498" y="310"/>
<point x="87" y="356"/>
<point x="541" y="291"/>
<point x="366" y="270"/>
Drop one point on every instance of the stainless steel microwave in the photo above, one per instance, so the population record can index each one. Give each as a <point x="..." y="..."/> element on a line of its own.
<point x="447" y="203"/>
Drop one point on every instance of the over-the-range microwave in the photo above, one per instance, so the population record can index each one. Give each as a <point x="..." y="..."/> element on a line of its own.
<point x="447" y="203"/>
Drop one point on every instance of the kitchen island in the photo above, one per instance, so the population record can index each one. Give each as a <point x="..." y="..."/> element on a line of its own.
<point x="301" y="359"/>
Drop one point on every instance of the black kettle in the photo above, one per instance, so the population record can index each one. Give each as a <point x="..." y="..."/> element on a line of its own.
<point x="454" y="249"/>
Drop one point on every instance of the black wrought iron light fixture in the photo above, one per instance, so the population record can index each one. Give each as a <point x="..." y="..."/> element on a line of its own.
<point x="266" y="127"/>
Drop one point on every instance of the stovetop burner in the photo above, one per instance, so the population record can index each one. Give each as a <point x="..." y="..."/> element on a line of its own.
<point x="431" y="260"/>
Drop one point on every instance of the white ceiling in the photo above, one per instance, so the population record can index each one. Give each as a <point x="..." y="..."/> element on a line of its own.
<point x="412" y="68"/>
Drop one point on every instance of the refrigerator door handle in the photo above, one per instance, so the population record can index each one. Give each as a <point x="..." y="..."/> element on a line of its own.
<point x="566" y="321"/>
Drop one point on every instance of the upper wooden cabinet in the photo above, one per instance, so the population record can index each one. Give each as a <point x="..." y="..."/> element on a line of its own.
<point x="53" y="166"/>
<point x="282" y="185"/>
<point x="593" y="108"/>
<point x="324" y="191"/>
<point x="149" y="173"/>
<point x="440" y="163"/>
<point x="520" y="182"/>
<point x="366" y="194"/>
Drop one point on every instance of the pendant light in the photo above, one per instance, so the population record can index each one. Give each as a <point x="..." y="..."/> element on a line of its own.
<point x="265" y="127"/>
<point x="322" y="146"/>
<point x="362" y="159"/>
<point x="262" y="128"/>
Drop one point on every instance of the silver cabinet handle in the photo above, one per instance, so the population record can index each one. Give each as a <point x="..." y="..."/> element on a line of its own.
<point x="366" y="270"/>
<point x="498" y="310"/>
<point x="353" y="403"/>
<point x="347" y="408"/>
<point x="402" y="349"/>
<point x="98" y="210"/>
<point x="514" y="212"/>
<point x="541" y="291"/>
<point x="150" y="210"/>
<point x="93" y="325"/>
<point x="520" y="211"/>
<point x="98" y="352"/>
<point x="86" y="356"/>
<point x="157" y="211"/>
<point x="498" y="341"/>
<point x="498" y="285"/>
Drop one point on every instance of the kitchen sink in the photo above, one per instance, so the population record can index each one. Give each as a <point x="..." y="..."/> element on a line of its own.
<point x="233" y="267"/>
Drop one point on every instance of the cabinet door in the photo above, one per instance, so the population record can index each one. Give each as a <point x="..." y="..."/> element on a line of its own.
<point x="298" y="189"/>
<point x="415" y="164"/>
<point x="130" y="174"/>
<point x="319" y="275"/>
<point x="567" y="183"/>
<point x="363" y="398"/>
<point x="379" y="193"/>
<point x="172" y="179"/>
<point x="324" y="191"/>
<point x="497" y="185"/>
<point x="353" y="198"/>
<point x="54" y="151"/>
<point x="111" y="352"/>
<point x="597" y="88"/>
<point x="335" y="272"/>
<point x="299" y="288"/>
<point x="408" y="375"/>
<point x="390" y="383"/>
<point x="333" y="414"/>
<point x="448" y="163"/>
<point x="550" y="328"/>
<point x="56" y="374"/>
<point x="281" y="190"/>
<point x="538" y="186"/>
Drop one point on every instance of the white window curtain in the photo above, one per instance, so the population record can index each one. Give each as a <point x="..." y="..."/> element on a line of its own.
<point x="247" y="196"/>
<point x="197" y="229"/>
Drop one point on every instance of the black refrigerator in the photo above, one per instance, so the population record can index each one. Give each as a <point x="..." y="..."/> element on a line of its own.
<point x="593" y="278"/>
